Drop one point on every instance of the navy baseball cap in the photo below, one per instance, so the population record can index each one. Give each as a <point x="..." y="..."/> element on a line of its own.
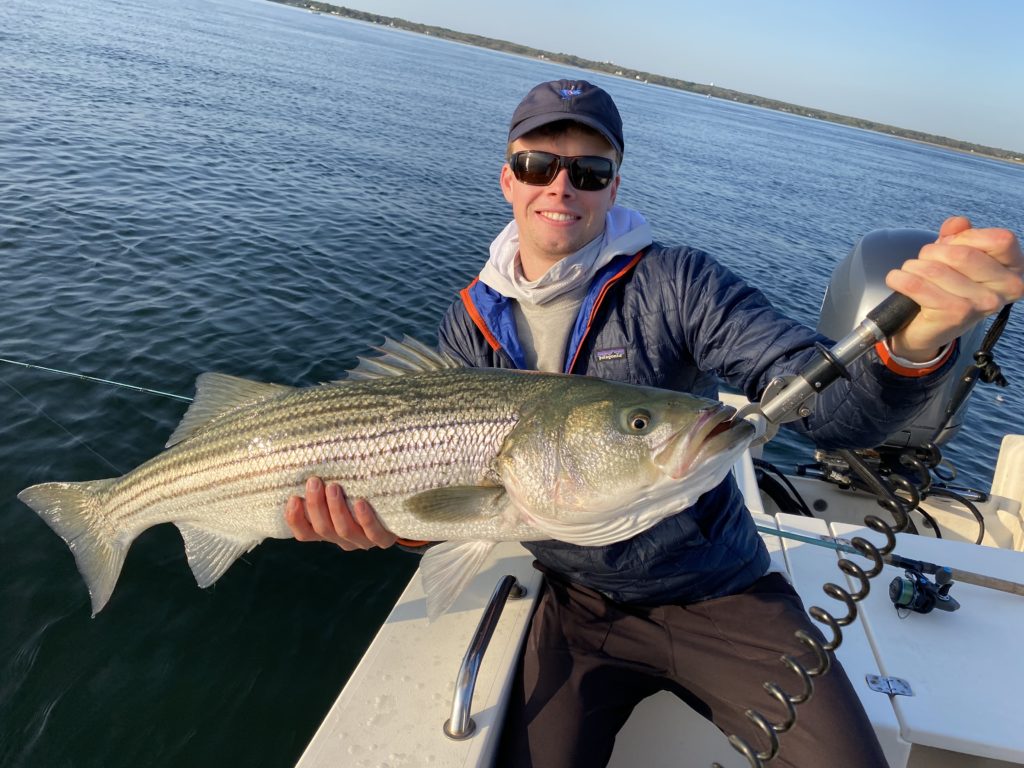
<point x="575" y="100"/>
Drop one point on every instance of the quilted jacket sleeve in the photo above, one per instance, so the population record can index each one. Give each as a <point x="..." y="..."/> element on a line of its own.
<point x="459" y="338"/>
<point x="734" y="331"/>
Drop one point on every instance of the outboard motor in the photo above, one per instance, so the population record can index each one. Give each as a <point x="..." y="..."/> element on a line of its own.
<point x="858" y="285"/>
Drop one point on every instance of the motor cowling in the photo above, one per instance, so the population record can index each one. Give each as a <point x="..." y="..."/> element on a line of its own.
<point x="857" y="285"/>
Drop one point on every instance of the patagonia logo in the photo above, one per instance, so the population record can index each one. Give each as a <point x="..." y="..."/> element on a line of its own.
<point x="607" y="355"/>
<point x="568" y="93"/>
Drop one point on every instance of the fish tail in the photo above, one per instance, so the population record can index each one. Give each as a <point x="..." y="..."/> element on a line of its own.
<point x="75" y="512"/>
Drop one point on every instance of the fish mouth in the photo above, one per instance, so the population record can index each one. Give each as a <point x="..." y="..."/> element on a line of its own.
<point x="714" y="432"/>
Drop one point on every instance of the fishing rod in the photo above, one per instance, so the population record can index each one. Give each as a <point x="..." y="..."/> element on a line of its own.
<point x="84" y="377"/>
<point x="921" y="566"/>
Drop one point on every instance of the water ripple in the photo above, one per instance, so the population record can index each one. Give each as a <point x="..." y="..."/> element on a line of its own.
<point x="241" y="187"/>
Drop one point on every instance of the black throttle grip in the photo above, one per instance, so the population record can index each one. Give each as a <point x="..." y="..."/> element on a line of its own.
<point x="893" y="313"/>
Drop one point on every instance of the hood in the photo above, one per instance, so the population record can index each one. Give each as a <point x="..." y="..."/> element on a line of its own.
<point x="625" y="231"/>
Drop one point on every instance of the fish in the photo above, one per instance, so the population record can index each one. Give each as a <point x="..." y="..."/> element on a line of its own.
<point x="467" y="457"/>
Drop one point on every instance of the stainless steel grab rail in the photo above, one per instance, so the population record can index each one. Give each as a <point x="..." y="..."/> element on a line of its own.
<point x="460" y="725"/>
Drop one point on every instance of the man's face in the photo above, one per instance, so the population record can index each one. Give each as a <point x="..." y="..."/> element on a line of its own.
<point x="557" y="220"/>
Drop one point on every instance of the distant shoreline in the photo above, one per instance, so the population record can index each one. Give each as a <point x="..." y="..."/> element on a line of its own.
<point x="610" y="68"/>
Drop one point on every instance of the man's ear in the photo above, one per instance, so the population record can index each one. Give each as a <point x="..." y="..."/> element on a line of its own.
<point x="615" y="190"/>
<point x="507" y="180"/>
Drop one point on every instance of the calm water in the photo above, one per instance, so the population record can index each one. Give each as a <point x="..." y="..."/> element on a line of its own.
<point x="237" y="186"/>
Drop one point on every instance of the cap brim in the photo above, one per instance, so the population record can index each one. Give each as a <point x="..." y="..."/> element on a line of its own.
<point x="532" y="123"/>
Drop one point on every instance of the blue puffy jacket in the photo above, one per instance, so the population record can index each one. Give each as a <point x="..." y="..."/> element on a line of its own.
<point x="675" y="318"/>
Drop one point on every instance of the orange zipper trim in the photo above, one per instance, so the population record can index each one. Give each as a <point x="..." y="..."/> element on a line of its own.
<point x="597" y="304"/>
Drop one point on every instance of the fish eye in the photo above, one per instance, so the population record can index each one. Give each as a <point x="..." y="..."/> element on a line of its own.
<point x="638" y="420"/>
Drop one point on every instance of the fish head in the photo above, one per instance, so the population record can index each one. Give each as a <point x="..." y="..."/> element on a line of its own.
<point x="607" y="462"/>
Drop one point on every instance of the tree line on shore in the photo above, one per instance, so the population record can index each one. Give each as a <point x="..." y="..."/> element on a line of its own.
<point x="610" y="68"/>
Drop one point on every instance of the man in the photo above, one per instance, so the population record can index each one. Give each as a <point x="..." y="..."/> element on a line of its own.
<point x="574" y="283"/>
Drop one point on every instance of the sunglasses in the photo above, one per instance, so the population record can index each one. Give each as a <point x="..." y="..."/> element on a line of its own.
<point x="587" y="173"/>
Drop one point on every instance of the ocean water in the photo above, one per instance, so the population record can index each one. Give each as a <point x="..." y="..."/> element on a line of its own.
<point x="238" y="186"/>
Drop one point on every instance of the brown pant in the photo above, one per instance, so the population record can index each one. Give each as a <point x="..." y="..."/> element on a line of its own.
<point x="589" y="661"/>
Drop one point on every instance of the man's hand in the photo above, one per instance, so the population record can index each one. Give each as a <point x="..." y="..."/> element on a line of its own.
<point x="326" y="515"/>
<point x="958" y="280"/>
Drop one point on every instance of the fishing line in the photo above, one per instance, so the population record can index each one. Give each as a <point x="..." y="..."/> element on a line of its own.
<point x="83" y="377"/>
<point x="98" y="380"/>
<point x="60" y="426"/>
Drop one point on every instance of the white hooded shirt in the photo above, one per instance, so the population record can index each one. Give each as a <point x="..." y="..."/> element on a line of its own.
<point x="546" y="308"/>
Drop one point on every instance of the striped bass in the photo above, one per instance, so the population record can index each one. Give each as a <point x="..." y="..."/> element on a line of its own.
<point x="465" y="456"/>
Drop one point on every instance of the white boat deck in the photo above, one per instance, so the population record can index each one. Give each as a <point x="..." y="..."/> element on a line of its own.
<point x="392" y="710"/>
<point x="964" y="667"/>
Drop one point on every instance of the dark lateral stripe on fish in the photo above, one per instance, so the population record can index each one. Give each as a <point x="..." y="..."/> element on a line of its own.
<point x="290" y="484"/>
<point x="230" y="441"/>
<point x="359" y="420"/>
<point x="159" y="476"/>
<point x="245" y="492"/>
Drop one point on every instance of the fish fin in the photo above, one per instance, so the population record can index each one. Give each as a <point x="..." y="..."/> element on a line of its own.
<point x="211" y="552"/>
<point x="398" y="358"/>
<point x="447" y="569"/>
<point x="458" y="503"/>
<point x="75" y="512"/>
<point x="218" y="394"/>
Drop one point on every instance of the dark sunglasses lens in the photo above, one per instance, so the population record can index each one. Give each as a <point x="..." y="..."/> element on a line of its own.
<point x="537" y="168"/>
<point x="591" y="173"/>
<point x="588" y="173"/>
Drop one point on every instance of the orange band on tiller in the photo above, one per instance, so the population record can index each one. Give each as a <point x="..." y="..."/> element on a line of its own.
<point x="886" y="357"/>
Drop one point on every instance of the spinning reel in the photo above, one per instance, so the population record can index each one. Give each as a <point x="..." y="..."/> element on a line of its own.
<point x="915" y="592"/>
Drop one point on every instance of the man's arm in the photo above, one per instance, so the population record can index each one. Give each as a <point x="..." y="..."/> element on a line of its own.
<point x="964" y="276"/>
<point x="731" y="329"/>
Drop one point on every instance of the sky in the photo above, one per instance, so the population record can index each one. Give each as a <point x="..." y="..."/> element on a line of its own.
<point x="945" y="67"/>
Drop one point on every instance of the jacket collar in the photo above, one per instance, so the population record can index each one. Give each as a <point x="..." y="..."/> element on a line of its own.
<point x="492" y="314"/>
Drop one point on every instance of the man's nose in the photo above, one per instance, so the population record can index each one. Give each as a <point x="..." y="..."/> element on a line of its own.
<point x="561" y="185"/>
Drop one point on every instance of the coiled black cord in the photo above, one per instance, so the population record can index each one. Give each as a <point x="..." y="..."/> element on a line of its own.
<point x="822" y="651"/>
<point x="984" y="369"/>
